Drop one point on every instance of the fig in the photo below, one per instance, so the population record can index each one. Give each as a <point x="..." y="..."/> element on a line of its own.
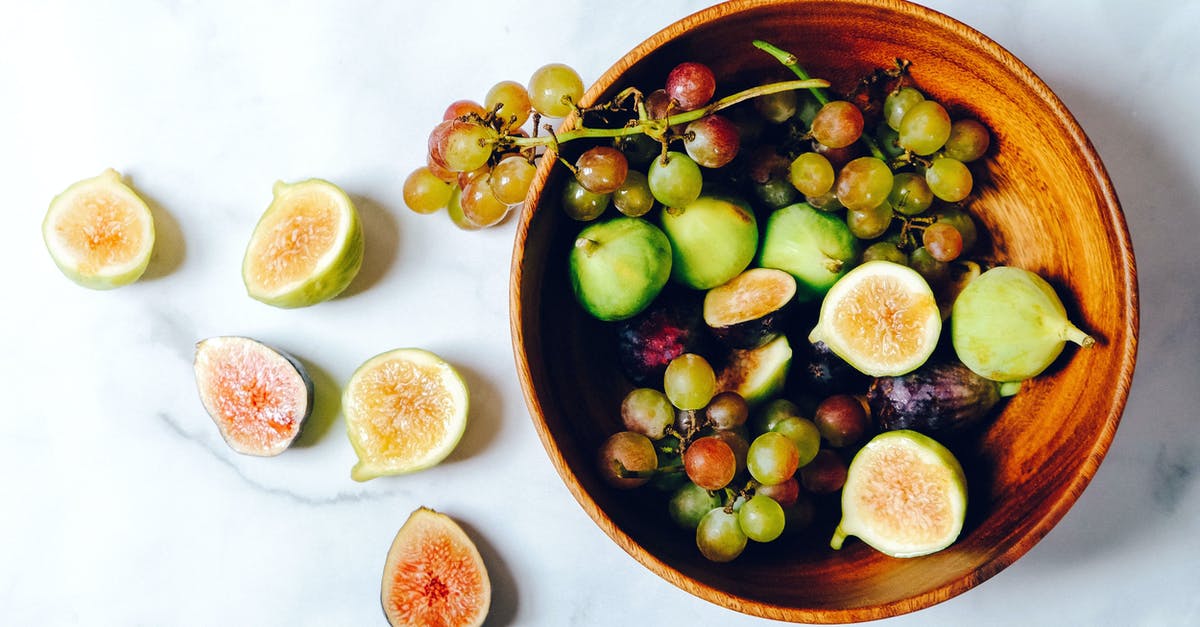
<point x="905" y="495"/>
<point x="813" y="246"/>
<point x="820" y="373"/>
<point x="258" y="396"/>
<point x="713" y="239"/>
<point x="938" y="399"/>
<point x="751" y="309"/>
<point x="757" y="374"/>
<point x="99" y="232"/>
<point x="881" y="318"/>
<point x="434" y="575"/>
<point x="671" y="326"/>
<point x="619" y="266"/>
<point x="406" y="410"/>
<point x="1009" y="325"/>
<point x="306" y="247"/>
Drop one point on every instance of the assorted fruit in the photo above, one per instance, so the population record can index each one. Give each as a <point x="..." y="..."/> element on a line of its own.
<point x="777" y="275"/>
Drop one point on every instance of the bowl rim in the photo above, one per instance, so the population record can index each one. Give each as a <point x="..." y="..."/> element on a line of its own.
<point x="1054" y="512"/>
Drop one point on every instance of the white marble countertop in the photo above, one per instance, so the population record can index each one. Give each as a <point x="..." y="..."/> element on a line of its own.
<point x="124" y="507"/>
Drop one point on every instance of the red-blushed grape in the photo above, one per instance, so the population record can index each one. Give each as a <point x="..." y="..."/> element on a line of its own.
<point x="624" y="453"/>
<point x="804" y="434"/>
<point x="554" y="89"/>
<point x="765" y="164"/>
<point x="455" y="211"/>
<point x="761" y="518"/>
<point x="772" y="458"/>
<point x="925" y="127"/>
<point x="690" y="503"/>
<point x="719" y="536"/>
<point x="712" y="141"/>
<point x="910" y="194"/>
<point x="580" y="204"/>
<point x="842" y="420"/>
<point x="465" y="178"/>
<point x="812" y="174"/>
<point x="709" y="462"/>
<point x="864" y="183"/>
<point x="960" y="220"/>
<point x="838" y="157"/>
<point x="934" y="271"/>
<point x="691" y="85"/>
<point x="439" y="170"/>
<point x="648" y="412"/>
<point x="436" y="144"/>
<point x="825" y="474"/>
<point x="968" y="141"/>
<point x="887" y="251"/>
<point x="777" y="107"/>
<point x="869" y="223"/>
<point x="838" y="124"/>
<point x="463" y="146"/>
<point x="424" y="192"/>
<point x="736" y="440"/>
<point x="479" y="203"/>
<point x="463" y="108"/>
<point x="785" y="492"/>
<point x="513" y="100"/>
<point x="773" y="412"/>
<point x="633" y="198"/>
<point x="601" y="169"/>
<point x="949" y="179"/>
<point x="897" y="104"/>
<point x="943" y="241"/>
<point x="675" y="180"/>
<point x="511" y="179"/>
<point x="727" y="410"/>
<point x="689" y="381"/>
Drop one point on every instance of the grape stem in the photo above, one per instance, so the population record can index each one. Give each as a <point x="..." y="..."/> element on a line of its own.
<point x="791" y="62"/>
<point x="656" y="127"/>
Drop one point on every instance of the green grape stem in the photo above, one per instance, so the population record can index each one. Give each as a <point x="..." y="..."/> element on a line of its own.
<point x="791" y="62"/>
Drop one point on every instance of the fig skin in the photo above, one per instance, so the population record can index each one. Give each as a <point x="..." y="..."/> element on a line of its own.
<point x="672" y="325"/>
<point x="820" y="372"/>
<point x="938" y="399"/>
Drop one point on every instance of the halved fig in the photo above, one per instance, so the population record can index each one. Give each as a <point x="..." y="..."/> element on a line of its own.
<point x="258" y="396"/>
<point x="749" y="310"/>
<point x="434" y="575"/>
<point x="757" y="374"/>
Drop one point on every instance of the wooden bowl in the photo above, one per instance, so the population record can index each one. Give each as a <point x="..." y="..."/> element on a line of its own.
<point x="1047" y="205"/>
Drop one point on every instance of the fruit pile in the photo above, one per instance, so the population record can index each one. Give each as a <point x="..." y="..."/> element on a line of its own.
<point x="788" y="222"/>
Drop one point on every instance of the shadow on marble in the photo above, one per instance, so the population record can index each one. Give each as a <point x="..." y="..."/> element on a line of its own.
<point x="503" y="610"/>
<point x="170" y="247"/>
<point x="327" y="404"/>
<point x="381" y="235"/>
<point x="484" y="419"/>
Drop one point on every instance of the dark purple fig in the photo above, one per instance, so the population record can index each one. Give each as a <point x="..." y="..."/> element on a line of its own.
<point x="751" y="309"/>
<point x="938" y="399"/>
<point x="822" y="373"/>
<point x="671" y="326"/>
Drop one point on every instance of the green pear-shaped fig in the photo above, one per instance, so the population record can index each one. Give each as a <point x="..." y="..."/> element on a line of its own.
<point x="619" y="266"/>
<point x="712" y="239"/>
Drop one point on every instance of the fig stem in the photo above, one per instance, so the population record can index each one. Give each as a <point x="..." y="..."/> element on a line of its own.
<point x="1010" y="388"/>
<point x="588" y="246"/>
<point x="1073" y="334"/>
<point x="838" y="538"/>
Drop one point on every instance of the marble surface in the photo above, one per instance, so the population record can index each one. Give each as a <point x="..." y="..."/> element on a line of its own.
<point x="124" y="507"/>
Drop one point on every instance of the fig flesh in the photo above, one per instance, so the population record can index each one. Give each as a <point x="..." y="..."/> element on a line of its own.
<point x="751" y="309"/>
<point x="434" y="575"/>
<point x="1008" y="324"/>
<point x="259" y="397"/>
<point x="757" y="374"/>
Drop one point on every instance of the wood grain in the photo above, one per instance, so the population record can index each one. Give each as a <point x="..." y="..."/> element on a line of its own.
<point x="1046" y="204"/>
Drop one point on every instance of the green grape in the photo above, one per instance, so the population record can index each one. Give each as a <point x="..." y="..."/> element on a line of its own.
<point x="580" y="204"/>
<point x="633" y="197"/>
<point x="776" y="192"/>
<point x="640" y="149"/>
<point x="719" y="536"/>
<point x="455" y="211"/>
<point x="479" y="203"/>
<point x="424" y="192"/>
<point x="761" y="518"/>
<point x="812" y="174"/>
<point x="554" y="89"/>
<point x="690" y="503"/>
<point x="889" y="141"/>
<point x="968" y="140"/>
<point x="864" y="183"/>
<point x="772" y="458"/>
<point x="601" y="169"/>
<point x="887" y="251"/>
<point x="511" y="179"/>
<point x="465" y="146"/>
<point x="773" y="412"/>
<point x="689" y="381"/>
<point x="897" y="104"/>
<point x="807" y="109"/>
<point x="776" y="107"/>
<point x="825" y="202"/>
<point x="925" y="128"/>
<point x="870" y="223"/>
<point x="935" y="272"/>
<point x="943" y="241"/>
<point x="624" y="453"/>
<point x="675" y="180"/>
<point x="648" y="412"/>
<point x="804" y="434"/>
<point x="949" y="179"/>
<point x="513" y="100"/>
<point x="910" y="194"/>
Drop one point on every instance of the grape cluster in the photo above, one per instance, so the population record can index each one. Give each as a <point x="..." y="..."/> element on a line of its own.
<point x="476" y="166"/>
<point x="734" y="475"/>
